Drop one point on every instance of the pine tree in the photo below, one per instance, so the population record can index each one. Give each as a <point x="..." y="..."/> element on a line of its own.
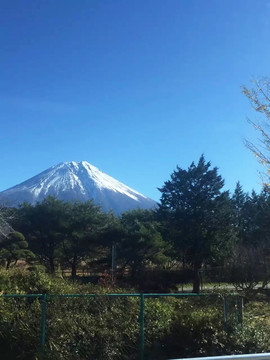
<point x="81" y="229"/>
<point x="42" y="226"/>
<point x="13" y="248"/>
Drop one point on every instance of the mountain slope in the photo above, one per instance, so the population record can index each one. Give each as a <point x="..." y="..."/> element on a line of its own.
<point x="79" y="181"/>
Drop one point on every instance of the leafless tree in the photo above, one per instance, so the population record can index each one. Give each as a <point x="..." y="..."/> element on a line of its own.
<point x="259" y="97"/>
<point x="249" y="267"/>
<point x="5" y="227"/>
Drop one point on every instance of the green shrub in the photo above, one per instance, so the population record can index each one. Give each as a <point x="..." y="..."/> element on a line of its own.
<point x="108" y="327"/>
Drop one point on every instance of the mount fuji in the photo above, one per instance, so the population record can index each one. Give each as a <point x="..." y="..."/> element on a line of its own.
<point x="77" y="181"/>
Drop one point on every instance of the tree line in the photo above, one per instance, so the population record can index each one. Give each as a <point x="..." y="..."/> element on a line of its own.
<point x="196" y="225"/>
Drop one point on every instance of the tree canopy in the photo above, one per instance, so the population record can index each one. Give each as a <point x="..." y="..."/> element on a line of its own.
<point x="13" y="248"/>
<point x="196" y="214"/>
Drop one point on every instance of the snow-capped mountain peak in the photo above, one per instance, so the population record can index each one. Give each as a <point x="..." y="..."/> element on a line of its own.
<point x="80" y="181"/>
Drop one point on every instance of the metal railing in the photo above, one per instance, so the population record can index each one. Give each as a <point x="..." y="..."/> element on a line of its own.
<point x="264" y="356"/>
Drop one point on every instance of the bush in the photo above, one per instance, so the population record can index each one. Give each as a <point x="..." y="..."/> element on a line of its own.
<point x="108" y="327"/>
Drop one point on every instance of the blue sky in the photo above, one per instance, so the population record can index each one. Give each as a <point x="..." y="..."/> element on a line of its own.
<point x="133" y="87"/>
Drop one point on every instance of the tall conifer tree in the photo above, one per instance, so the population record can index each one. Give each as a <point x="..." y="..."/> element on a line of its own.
<point x="197" y="214"/>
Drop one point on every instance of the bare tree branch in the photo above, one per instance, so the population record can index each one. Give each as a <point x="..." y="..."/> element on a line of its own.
<point x="5" y="227"/>
<point x="259" y="97"/>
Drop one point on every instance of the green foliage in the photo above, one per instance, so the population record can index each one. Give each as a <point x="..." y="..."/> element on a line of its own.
<point x="41" y="224"/>
<point x="196" y="329"/>
<point x="140" y="242"/>
<point x="60" y="232"/>
<point x="22" y="281"/>
<point x="249" y="261"/>
<point x="19" y="328"/>
<point x="82" y="228"/>
<point x="200" y="329"/>
<point x="13" y="248"/>
<point x="77" y="328"/>
<point x="159" y="313"/>
<point x="254" y="336"/>
<point x="108" y="328"/>
<point x="196" y="215"/>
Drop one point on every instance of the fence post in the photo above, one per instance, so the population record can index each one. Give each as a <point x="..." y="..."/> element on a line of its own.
<point x="236" y="311"/>
<point x="240" y="310"/>
<point x="225" y="310"/>
<point x="141" y="326"/>
<point x="43" y="320"/>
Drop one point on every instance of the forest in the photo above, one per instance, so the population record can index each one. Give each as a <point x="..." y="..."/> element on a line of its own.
<point x="196" y="230"/>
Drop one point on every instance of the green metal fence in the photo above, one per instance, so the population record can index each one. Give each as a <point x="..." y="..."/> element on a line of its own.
<point x="71" y="326"/>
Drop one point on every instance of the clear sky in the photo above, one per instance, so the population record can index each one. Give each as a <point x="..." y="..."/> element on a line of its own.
<point x="134" y="87"/>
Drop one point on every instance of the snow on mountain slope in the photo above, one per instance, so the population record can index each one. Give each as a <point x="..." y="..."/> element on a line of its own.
<point x="80" y="181"/>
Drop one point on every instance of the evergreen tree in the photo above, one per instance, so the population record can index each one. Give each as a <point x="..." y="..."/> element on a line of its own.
<point x="14" y="247"/>
<point x="82" y="228"/>
<point x="253" y="214"/>
<point x="140" y="242"/>
<point x="197" y="215"/>
<point x="239" y="203"/>
<point x="42" y="225"/>
<point x="249" y="263"/>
